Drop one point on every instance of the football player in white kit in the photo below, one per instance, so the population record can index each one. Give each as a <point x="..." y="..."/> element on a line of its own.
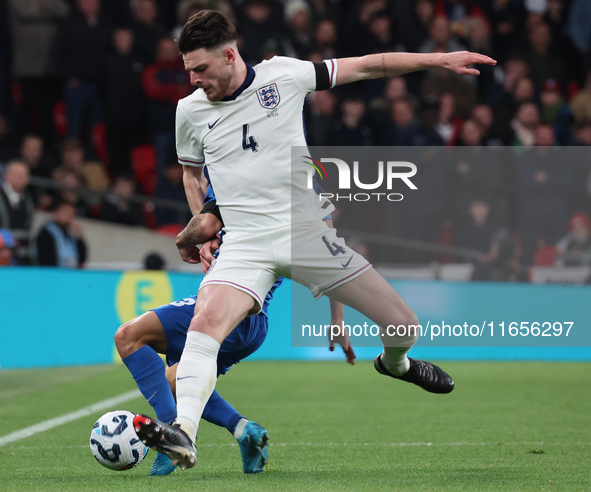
<point x="242" y="122"/>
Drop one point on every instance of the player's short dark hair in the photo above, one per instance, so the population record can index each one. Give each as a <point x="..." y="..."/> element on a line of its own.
<point x="208" y="29"/>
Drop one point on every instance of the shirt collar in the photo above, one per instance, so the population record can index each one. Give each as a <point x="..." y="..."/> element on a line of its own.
<point x="13" y="197"/>
<point x="245" y="85"/>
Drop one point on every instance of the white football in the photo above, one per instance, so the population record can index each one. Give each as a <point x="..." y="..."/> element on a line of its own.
<point x="114" y="443"/>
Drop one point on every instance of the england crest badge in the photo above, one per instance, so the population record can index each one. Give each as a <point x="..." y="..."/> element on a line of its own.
<point x="268" y="96"/>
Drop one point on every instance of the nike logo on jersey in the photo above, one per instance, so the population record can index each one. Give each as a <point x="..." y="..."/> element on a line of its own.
<point x="214" y="123"/>
<point x="345" y="265"/>
<point x="185" y="377"/>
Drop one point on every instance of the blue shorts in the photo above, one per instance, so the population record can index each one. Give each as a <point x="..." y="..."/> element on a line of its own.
<point x="246" y="338"/>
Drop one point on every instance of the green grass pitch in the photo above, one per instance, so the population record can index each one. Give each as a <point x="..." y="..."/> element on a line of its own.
<point x="506" y="426"/>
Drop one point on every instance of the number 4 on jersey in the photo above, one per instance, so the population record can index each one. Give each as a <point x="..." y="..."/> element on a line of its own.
<point x="334" y="248"/>
<point x="248" y="142"/>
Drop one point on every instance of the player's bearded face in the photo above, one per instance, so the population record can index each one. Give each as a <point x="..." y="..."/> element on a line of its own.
<point x="210" y="71"/>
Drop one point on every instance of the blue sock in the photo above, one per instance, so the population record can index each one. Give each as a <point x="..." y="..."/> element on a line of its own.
<point x="219" y="412"/>
<point x="147" y="369"/>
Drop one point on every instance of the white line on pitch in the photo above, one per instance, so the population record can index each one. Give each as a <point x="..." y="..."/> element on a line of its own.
<point x="69" y="417"/>
<point x="364" y="444"/>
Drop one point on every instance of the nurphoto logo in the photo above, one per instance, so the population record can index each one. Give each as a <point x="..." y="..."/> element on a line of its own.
<point x="393" y="170"/>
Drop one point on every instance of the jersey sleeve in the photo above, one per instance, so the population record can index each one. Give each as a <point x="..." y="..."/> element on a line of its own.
<point x="188" y="149"/>
<point x="310" y="76"/>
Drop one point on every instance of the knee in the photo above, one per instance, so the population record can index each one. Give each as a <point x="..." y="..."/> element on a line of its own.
<point x="209" y="323"/>
<point x="125" y="340"/>
<point x="411" y="319"/>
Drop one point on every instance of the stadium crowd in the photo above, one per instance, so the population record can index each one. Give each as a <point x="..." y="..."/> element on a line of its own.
<point x="88" y="91"/>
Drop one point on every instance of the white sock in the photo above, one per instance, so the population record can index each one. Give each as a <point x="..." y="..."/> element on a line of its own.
<point x="395" y="360"/>
<point x="195" y="379"/>
<point x="240" y="428"/>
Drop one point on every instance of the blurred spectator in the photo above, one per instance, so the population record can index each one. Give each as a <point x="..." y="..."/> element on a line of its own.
<point x="70" y="190"/>
<point x="476" y="173"/>
<point x="351" y="129"/>
<point x="545" y="179"/>
<point x="556" y="16"/>
<point x="505" y="19"/>
<point x="555" y="111"/>
<point x="262" y="28"/>
<point x="479" y="40"/>
<point x="89" y="173"/>
<point x="542" y="57"/>
<point x="60" y="242"/>
<point x="325" y="38"/>
<point x="321" y="119"/>
<point x="380" y="106"/>
<point x="522" y="91"/>
<point x="413" y="20"/>
<point x="578" y="239"/>
<point x="440" y="81"/>
<point x="124" y="100"/>
<point x="379" y="37"/>
<point x="170" y="187"/>
<point x="403" y="126"/>
<point x="154" y="261"/>
<point x="32" y="151"/>
<point x="426" y="134"/>
<point x="299" y="20"/>
<point x="356" y="26"/>
<point x="479" y="232"/>
<point x="448" y="122"/>
<point x="524" y="125"/>
<point x="470" y="134"/>
<point x="146" y="30"/>
<point x="579" y="29"/>
<point x="16" y="206"/>
<point x="118" y="208"/>
<point x="482" y="114"/>
<point x="477" y="229"/>
<point x="441" y="39"/>
<point x="506" y="78"/>
<point x="8" y="246"/>
<point x="580" y="104"/>
<point x="164" y="83"/>
<point x="582" y="133"/>
<point x="81" y="47"/>
<point x="34" y="26"/>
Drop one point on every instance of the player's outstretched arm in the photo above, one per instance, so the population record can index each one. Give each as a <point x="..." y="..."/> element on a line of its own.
<point x="195" y="184"/>
<point x="394" y="64"/>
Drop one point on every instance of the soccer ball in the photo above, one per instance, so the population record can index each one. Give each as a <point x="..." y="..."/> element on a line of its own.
<point x="114" y="443"/>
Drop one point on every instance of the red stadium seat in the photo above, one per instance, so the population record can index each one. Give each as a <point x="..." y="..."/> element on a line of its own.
<point x="60" y="120"/>
<point x="99" y="140"/>
<point x="143" y="163"/>
<point x="545" y="256"/>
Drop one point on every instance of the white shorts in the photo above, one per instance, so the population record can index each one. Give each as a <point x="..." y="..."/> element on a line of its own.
<point x="321" y="260"/>
<point x="313" y="256"/>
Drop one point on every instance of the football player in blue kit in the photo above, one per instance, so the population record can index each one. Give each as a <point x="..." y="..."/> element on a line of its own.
<point x="164" y="330"/>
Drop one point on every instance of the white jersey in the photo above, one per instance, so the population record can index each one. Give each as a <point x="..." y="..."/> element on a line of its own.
<point x="246" y="143"/>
